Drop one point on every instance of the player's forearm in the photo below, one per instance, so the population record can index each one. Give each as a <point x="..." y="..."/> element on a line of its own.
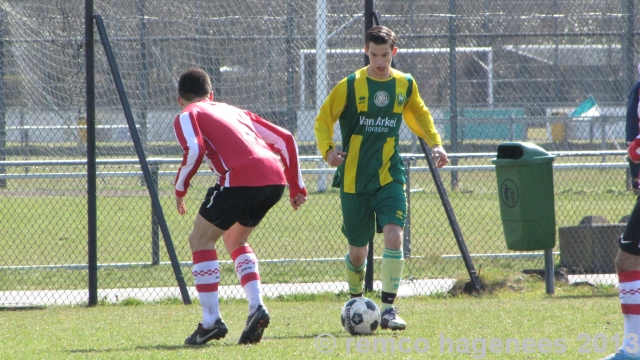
<point x="423" y="126"/>
<point x="293" y="174"/>
<point x="191" y="160"/>
<point x="324" y="139"/>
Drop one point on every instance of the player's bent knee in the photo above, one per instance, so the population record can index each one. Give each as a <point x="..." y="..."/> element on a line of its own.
<point x="201" y="241"/>
<point x="393" y="235"/>
<point x="357" y="255"/>
<point x="393" y="242"/>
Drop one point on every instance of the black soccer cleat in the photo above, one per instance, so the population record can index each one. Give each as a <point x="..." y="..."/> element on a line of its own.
<point x="201" y="336"/>
<point x="256" y="323"/>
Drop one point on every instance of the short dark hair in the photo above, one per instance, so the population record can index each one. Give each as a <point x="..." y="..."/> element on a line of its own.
<point x="194" y="83"/>
<point x="380" y="35"/>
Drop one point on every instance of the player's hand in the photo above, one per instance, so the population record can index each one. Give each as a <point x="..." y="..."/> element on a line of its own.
<point x="633" y="151"/>
<point x="336" y="157"/>
<point x="440" y="157"/>
<point x="299" y="199"/>
<point x="182" y="209"/>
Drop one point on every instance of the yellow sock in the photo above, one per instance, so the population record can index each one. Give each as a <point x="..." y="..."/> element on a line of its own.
<point x="392" y="266"/>
<point x="355" y="276"/>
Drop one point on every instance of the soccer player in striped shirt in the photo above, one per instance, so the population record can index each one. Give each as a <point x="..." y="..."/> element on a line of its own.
<point x="370" y="105"/>
<point x="254" y="160"/>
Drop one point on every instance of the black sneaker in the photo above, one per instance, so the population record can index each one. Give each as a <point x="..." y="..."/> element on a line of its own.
<point x="202" y="335"/>
<point x="256" y="323"/>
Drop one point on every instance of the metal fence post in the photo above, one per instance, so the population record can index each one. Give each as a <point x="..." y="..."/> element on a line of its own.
<point x="143" y="80"/>
<point x="3" y="124"/>
<point x="92" y="211"/>
<point x="154" y="167"/>
<point x="453" y="89"/>
<point x="549" y="272"/>
<point x="406" y="238"/>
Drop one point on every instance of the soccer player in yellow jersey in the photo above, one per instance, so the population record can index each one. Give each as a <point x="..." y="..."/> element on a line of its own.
<point x="370" y="105"/>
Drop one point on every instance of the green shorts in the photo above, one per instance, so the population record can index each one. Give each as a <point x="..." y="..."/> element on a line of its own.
<point x="364" y="213"/>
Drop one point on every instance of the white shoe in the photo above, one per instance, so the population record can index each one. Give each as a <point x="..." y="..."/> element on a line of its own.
<point x="391" y="320"/>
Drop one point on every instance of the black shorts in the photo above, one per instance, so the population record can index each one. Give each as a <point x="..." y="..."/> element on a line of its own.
<point x="629" y="241"/>
<point x="225" y="206"/>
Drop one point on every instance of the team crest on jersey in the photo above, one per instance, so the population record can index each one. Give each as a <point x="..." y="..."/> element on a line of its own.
<point x="381" y="98"/>
<point x="400" y="98"/>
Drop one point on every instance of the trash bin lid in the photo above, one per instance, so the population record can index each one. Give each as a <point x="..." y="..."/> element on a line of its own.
<point x="516" y="153"/>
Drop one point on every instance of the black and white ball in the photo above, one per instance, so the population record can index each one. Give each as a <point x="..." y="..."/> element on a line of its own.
<point x="360" y="316"/>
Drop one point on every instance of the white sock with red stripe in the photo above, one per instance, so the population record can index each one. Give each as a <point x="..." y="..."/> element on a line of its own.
<point x="246" y="264"/>
<point x="206" y="272"/>
<point x="629" y="290"/>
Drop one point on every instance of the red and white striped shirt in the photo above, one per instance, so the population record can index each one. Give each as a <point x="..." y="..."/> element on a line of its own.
<point x="242" y="148"/>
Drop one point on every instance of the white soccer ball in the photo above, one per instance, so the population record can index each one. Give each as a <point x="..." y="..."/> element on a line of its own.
<point x="360" y="316"/>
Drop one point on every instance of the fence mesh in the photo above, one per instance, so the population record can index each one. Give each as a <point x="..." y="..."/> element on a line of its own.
<point x="552" y="72"/>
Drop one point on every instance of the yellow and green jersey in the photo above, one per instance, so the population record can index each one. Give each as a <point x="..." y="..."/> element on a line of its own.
<point x="370" y="112"/>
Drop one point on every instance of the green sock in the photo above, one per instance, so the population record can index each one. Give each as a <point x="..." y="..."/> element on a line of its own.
<point x="392" y="265"/>
<point x="355" y="275"/>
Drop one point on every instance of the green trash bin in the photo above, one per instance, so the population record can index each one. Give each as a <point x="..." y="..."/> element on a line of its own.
<point x="525" y="189"/>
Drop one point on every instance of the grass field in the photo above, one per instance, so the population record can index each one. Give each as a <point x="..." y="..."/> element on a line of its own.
<point x="45" y="224"/>
<point x="579" y="322"/>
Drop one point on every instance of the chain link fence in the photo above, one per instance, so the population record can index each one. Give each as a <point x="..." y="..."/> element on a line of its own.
<point x="555" y="73"/>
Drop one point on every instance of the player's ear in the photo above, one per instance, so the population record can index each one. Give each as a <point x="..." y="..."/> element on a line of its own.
<point x="394" y="51"/>
<point x="180" y="101"/>
<point x="211" y="96"/>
